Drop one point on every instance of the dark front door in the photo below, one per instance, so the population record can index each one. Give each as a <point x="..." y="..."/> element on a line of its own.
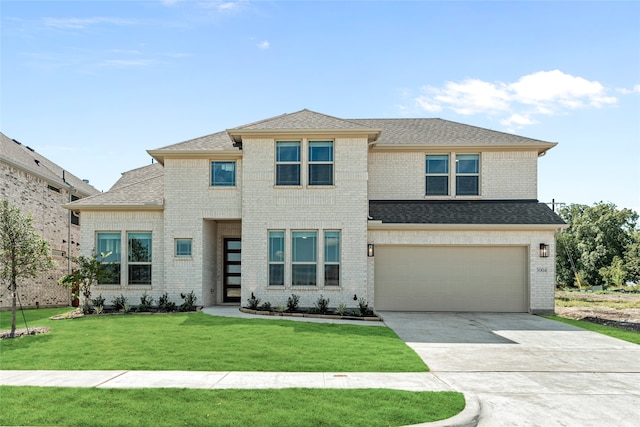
<point x="232" y="270"/>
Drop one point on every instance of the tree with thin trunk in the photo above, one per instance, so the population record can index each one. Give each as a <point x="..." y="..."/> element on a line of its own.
<point x="23" y="253"/>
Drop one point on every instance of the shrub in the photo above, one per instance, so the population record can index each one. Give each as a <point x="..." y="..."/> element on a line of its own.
<point x="281" y="308"/>
<point x="189" y="303"/>
<point x="164" y="304"/>
<point x="119" y="303"/>
<point x="363" y="305"/>
<point x="98" y="309"/>
<point x="266" y="306"/>
<point x="253" y="302"/>
<point x="342" y="309"/>
<point x="98" y="301"/>
<point x="292" y="302"/>
<point x="146" y="302"/>
<point x="322" y="304"/>
<point x="356" y="312"/>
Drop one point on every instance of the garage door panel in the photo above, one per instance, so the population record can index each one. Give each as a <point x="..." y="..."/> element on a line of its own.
<point x="451" y="278"/>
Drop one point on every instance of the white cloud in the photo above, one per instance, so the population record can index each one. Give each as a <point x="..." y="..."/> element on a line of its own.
<point x="264" y="44"/>
<point x="539" y="93"/>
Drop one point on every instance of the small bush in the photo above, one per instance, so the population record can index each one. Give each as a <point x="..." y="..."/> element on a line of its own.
<point x="266" y="306"/>
<point x="119" y="302"/>
<point x="356" y="312"/>
<point x="189" y="303"/>
<point x="363" y="305"/>
<point x="98" y="301"/>
<point x="253" y="302"/>
<point x="146" y="302"/>
<point x="281" y="308"/>
<point x="98" y="309"/>
<point x="342" y="309"/>
<point x="322" y="304"/>
<point x="293" y="302"/>
<point x="164" y="304"/>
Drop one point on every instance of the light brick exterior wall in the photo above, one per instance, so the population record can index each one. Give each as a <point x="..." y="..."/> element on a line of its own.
<point x="401" y="175"/>
<point x="341" y="207"/>
<point x="31" y="195"/>
<point x="541" y="280"/>
<point x="123" y="222"/>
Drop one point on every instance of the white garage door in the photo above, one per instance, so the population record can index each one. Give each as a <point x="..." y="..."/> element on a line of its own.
<point x="451" y="278"/>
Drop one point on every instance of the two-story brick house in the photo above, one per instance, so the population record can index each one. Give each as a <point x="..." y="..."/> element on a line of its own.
<point x="40" y="187"/>
<point x="409" y="214"/>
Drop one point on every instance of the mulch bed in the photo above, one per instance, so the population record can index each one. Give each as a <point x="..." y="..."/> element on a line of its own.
<point x="629" y="326"/>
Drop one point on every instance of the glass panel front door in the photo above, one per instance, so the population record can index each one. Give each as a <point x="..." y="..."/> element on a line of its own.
<point x="232" y="270"/>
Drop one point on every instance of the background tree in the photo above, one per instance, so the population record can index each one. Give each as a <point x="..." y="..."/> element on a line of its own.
<point x="23" y="253"/>
<point x="89" y="271"/>
<point x="599" y="239"/>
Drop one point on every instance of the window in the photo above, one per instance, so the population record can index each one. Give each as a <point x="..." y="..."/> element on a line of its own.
<point x="276" y="258"/>
<point x="109" y="250"/>
<point x="183" y="248"/>
<point x="303" y="258"/>
<point x="467" y="173"/>
<point x="75" y="215"/>
<point x="320" y="163"/>
<point x="288" y="163"/>
<point x="437" y="181"/>
<point x="331" y="258"/>
<point x="139" y="258"/>
<point x="223" y="174"/>
<point x="52" y="188"/>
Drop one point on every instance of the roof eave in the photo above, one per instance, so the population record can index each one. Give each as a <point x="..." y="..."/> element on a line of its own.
<point x="116" y="207"/>
<point x="541" y="148"/>
<point x="161" y="155"/>
<point x="379" y="225"/>
<point x="238" y="134"/>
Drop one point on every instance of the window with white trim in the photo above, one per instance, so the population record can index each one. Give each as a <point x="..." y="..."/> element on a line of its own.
<point x="183" y="248"/>
<point x="467" y="174"/>
<point x="223" y="174"/>
<point x="332" y="258"/>
<point x="320" y="163"/>
<point x="288" y="163"/>
<point x="437" y="171"/>
<point x="108" y="248"/>
<point x="276" y="258"/>
<point x="139" y="259"/>
<point x="304" y="258"/>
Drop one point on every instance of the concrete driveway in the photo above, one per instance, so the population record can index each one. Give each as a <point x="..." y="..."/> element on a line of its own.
<point x="527" y="370"/>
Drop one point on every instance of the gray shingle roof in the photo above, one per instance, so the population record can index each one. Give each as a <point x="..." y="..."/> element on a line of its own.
<point x="439" y="131"/>
<point x="303" y="119"/>
<point x="142" y="187"/>
<point x="15" y="153"/>
<point x="215" y="141"/>
<point x="514" y="212"/>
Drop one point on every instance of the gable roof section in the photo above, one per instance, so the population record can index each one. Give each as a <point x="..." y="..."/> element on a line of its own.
<point x="18" y="155"/>
<point x="139" y="189"/>
<point x="421" y="132"/>
<point x="304" y="121"/>
<point x="457" y="212"/>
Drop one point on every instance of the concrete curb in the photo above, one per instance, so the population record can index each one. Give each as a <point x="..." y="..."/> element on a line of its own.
<point x="469" y="417"/>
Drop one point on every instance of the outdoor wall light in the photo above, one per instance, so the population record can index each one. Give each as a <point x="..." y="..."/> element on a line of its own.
<point x="544" y="250"/>
<point x="370" y="249"/>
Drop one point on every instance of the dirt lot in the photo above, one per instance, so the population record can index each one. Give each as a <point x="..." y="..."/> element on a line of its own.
<point x="621" y="310"/>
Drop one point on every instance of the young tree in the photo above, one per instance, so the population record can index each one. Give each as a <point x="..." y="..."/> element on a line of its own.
<point x="596" y="236"/>
<point x="89" y="271"/>
<point x="23" y="253"/>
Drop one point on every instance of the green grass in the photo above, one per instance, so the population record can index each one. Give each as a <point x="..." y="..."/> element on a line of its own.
<point x="282" y="407"/>
<point x="200" y="342"/>
<point x="633" y="337"/>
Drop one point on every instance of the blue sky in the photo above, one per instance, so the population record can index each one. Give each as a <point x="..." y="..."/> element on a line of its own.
<point x="93" y="84"/>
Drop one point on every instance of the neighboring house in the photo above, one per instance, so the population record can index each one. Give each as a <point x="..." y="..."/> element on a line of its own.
<point x="39" y="187"/>
<point x="409" y="214"/>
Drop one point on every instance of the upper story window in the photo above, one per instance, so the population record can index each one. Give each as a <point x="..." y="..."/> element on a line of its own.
<point x="287" y="162"/>
<point x="223" y="174"/>
<point x="437" y="181"/>
<point x="467" y="174"/>
<point x="321" y="163"/>
<point x="75" y="215"/>
<point x="439" y="175"/>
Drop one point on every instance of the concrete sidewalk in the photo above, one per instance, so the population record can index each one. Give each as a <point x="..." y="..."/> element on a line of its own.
<point x="415" y="381"/>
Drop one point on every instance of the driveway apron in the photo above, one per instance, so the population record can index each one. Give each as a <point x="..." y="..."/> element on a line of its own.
<point x="527" y="370"/>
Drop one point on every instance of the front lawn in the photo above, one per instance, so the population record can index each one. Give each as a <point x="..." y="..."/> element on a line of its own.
<point x="200" y="342"/>
<point x="36" y="406"/>
<point x="633" y="337"/>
